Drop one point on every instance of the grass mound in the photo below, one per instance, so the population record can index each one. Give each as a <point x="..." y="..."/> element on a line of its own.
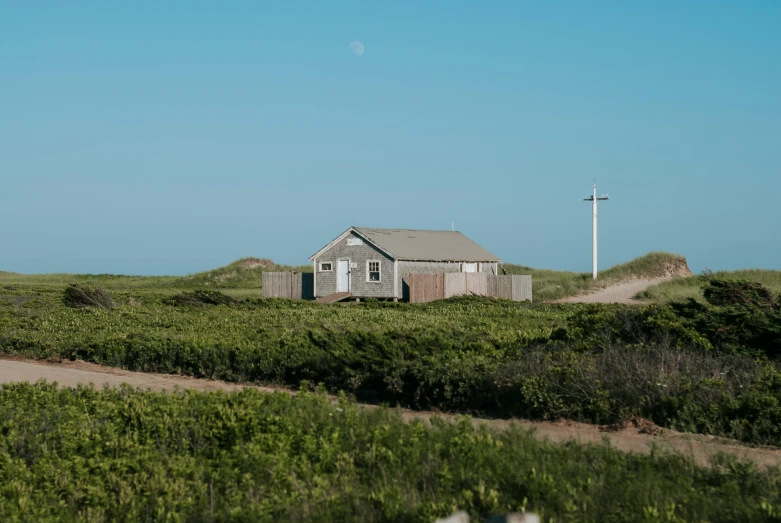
<point x="201" y="298"/>
<point x="682" y="289"/>
<point x="80" y="297"/>
<point x="551" y="285"/>
<point x="245" y="273"/>
<point x="652" y="265"/>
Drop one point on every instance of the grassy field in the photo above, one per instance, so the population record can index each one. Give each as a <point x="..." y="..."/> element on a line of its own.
<point x="242" y="278"/>
<point x="684" y="288"/>
<point x="551" y="285"/>
<point x="126" y="455"/>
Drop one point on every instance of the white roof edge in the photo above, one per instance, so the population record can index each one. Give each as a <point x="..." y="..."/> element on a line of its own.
<point x="354" y="230"/>
<point x="330" y="244"/>
<point x="461" y="260"/>
<point x="484" y="256"/>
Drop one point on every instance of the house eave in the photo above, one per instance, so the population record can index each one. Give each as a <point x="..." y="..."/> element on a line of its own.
<point x="343" y="235"/>
<point x="460" y="260"/>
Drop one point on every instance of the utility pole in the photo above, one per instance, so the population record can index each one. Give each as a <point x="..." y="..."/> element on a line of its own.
<point x="593" y="199"/>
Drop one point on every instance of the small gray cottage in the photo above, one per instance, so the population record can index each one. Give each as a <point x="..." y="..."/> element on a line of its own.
<point x="376" y="263"/>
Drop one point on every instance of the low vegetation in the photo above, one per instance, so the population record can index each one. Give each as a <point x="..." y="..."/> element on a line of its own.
<point x="707" y="365"/>
<point x="681" y="289"/>
<point x="243" y="278"/>
<point x="693" y="367"/>
<point x="201" y="298"/>
<point x="550" y="285"/>
<point x="126" y="455"/>
<point x="246" y="273"/>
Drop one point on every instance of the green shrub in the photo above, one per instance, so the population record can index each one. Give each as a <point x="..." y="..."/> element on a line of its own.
<point x="202" y="298"/>
<point x="740" y="316"/>
<point x="80" y="296"/>
<point x="738" y="293"/>
<point x="592" y="327"/>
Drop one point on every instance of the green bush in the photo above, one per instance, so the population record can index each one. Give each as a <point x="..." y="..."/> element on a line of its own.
<point x="593" y="327"/>
<point x="739" y="316"/>
<point x="202" y="298"/>
<point x="80" y="296"/>
<point x="738" y="293"/>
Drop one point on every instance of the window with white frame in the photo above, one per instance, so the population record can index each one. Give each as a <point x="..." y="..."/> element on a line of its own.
<point x="326" y="267"/>
<point x="372" y="271"/>
<point x="469" y="267"/>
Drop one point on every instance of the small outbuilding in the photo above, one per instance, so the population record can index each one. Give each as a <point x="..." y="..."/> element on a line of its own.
<point x="376" y="263"/>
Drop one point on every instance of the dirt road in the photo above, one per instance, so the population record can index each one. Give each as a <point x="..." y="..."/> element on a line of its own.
<point x="623" y="292"/>
<point x="636" y="437"/>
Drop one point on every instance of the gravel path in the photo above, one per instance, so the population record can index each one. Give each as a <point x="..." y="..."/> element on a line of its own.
<point x="637" y="436"/>
<point x="623" y="292"/>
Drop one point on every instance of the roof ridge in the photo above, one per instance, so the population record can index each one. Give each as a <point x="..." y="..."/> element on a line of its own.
<point x="402" y="229"/>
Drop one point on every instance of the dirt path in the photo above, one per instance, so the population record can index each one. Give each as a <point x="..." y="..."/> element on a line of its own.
<point x="636" y="437"/>
<point x="623" y="292"/>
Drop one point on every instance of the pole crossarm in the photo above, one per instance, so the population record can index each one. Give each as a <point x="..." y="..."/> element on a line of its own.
<point x="594" y="199"/>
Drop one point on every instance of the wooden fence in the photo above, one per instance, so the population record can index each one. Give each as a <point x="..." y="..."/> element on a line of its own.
<point x="422" y="287"/>
<point x="290" y="285"/>
<point x="426" y="287"/>
<point x="429" y="287"/>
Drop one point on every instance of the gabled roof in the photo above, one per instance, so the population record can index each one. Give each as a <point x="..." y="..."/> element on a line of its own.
<point x="420" y="245"/>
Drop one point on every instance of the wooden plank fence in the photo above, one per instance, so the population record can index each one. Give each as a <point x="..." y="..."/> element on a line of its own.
<point x="426" y="287"/>
<point x="470" y="283"/>
<point x="456" y="284"/>
<point x="429" y="287"/>
<point x="422" y="287"/>
<point x="521" y="287"/>
<point x="290" y="285"/>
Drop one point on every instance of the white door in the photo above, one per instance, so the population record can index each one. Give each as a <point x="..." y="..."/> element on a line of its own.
<point x="468" y="267"/>
<point x="343" y="276"/>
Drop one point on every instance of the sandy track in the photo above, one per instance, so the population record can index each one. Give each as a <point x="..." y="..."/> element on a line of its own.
<point x="635" y="437"/>
<point x="623" y="292"/>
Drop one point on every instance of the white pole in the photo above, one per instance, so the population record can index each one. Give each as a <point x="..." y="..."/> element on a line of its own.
<point x="594" y="238"/>
<point x="593" y="199"/>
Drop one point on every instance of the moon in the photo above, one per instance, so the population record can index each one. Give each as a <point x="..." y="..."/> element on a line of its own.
<point x="356" y="48"/>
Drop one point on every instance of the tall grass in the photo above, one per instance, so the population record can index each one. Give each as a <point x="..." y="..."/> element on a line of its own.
<point x="245" y="274"/>
<point x="243" y="277"/>
<point x="552" y="285"/>
<point x="684" y="288"/>
<point x="59" y="280"/>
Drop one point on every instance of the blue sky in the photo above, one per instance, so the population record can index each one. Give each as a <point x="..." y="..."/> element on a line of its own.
<point x="173" y="137"/>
